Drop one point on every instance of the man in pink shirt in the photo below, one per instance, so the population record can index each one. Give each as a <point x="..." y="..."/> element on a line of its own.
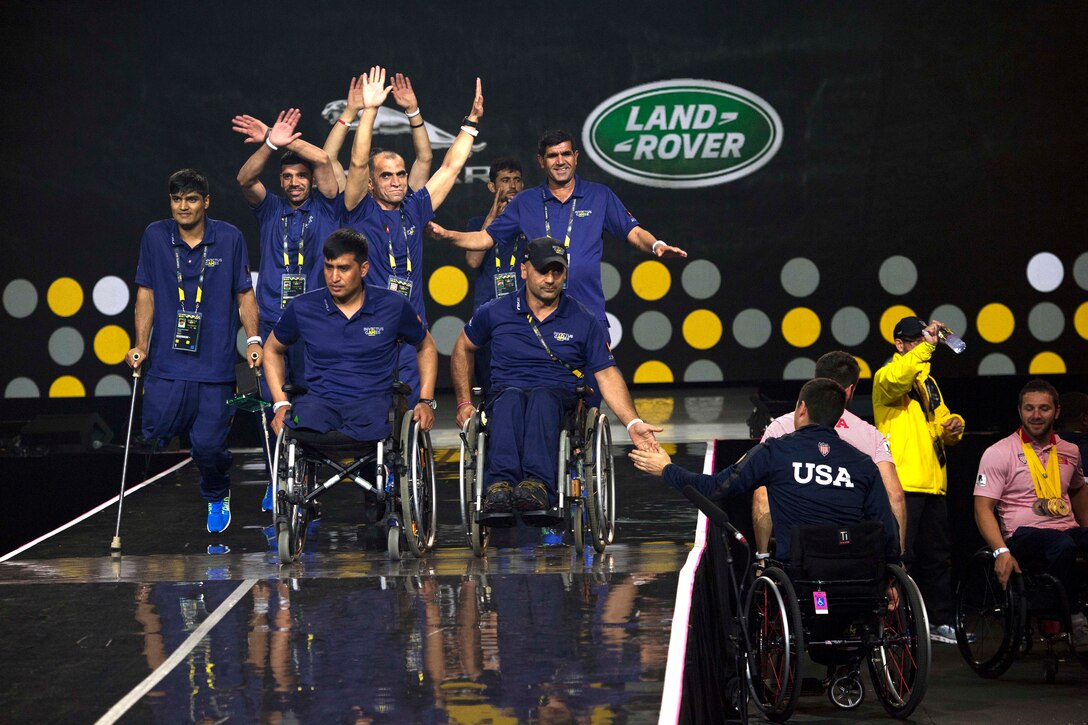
<point x="1030" y="501"/>
<point x="844" y="370"/>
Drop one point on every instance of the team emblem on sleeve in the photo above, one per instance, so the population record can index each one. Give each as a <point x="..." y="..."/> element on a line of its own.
<point x="981" y="480"/>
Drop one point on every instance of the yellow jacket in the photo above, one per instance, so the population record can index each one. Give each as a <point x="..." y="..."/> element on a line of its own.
<point x="916" y="433"/>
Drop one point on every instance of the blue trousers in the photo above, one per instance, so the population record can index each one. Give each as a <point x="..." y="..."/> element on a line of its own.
<point x="523" y="433"/>
<point x="173" y="407"/>
<point x="1051" y="551"/>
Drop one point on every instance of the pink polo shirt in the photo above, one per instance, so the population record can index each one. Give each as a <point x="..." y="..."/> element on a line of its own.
<point x="1003" y="474"/>
<point x="852" y="429"/>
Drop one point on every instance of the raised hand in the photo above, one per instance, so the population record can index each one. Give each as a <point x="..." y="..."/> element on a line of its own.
<point x="403" y="95"/>
<point x="253" y="129"/>
<point x="355" y="95"/>
<point x="374" y="89"/>
<point x="477" y="111"/>
<point x="283" y="131"/>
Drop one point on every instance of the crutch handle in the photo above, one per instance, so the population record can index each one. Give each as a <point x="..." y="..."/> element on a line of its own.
<point x="136" y="357"/>
<point x="254" y="355"/>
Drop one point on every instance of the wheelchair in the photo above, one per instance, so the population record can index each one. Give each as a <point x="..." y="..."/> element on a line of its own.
<point x="845" y="605"/>
<point x="995" y="625"/>
<point x="586" y="480"/>
<point x="403" y="491"/>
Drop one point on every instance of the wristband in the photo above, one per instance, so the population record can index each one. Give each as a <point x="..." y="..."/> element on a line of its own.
<point x="466" y="121"/>
<point x="282" y="404"/>
<point x="416" y="125"/>
<point x="413" y="114"/>
<point x="269" y="144"/>
<point x="653" y="247"/>
<point x="255" y="340"/>
<point x="343" y="122"/>
<point x="470" y="131"/>
<point x="1000" y="550"/>
<point x="761" y="555"/>
<point x="633" y="422"/>
<point x="463" y="404"/>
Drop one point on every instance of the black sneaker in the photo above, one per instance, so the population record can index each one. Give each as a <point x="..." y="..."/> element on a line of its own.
<point x="499" y="498"/>
<point x="531" y="495"/>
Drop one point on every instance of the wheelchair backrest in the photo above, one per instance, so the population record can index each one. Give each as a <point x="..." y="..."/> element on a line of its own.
<point x="830" y="553"/>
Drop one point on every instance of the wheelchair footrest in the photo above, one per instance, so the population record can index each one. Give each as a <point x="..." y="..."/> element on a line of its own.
<point x="496" y="520"/>
<point x="546" y="517"/>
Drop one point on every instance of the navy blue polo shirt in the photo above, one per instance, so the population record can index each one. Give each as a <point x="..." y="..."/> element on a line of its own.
<point x="483" y="284"/>
<point x="517" y="357"/>
<point x="320" y="217"/>
<point x="352" y="359"/>
<point x="596" y="209"/>
<point x="226" y="274"/>
<point x="812" y="476"/>
<point x="383" y="230"/>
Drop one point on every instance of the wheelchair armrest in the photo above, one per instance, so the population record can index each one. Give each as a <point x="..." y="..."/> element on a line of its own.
<point x="477" y="395"/>
<point x="293" y="390"/>
<point x="402" y="388"/>
<point x="583" y="391"/>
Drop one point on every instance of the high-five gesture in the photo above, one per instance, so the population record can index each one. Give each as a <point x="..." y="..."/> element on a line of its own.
<point x="283" y="131"/>
<point x="252" y="128"/>
<point x="403" y="94"/>
<point x="374" y="89"/>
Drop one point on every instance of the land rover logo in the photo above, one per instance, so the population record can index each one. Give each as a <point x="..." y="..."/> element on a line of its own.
<point x="682" y="133"/>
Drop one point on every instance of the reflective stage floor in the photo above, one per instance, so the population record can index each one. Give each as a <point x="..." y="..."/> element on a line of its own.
<point x="190" y="627"/>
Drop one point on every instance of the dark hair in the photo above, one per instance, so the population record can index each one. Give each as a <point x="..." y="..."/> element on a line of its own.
<point x="346" y="240"/>
<point x="380" y="152"/>
<point x="825" y="400"/>
<point x="506" y="163"/>
<point x="840" y="366"/>
<point x="554" y="138"/>
<point x="1038" y="385"/>
<point x="1074" y="406"/>
<point x="290" y="158"/>
<point x="186" y="180"/>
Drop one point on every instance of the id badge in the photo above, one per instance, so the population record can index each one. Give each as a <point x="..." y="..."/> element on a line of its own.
<point x="819" y="602"/>
<point x="402" y="285"/>
<point x="504" y="284"/>
<point x="291" y="286"/>
<point x="187" y="332"/>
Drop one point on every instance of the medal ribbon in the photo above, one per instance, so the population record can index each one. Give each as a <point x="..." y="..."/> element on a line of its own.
<point x="1048" y="483"/>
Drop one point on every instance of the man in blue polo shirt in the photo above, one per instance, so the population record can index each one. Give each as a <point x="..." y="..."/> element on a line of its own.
<point x="543" y="344"/>
<point x="193" y="284"/>
<point x="392" y="219"/>
<point x="570" y="208"/>
<point x="350" y="335"/>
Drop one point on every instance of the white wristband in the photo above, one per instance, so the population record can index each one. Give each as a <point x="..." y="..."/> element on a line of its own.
<point x="281" y="404"/>
<point x="413" y="114"/>
<point x="633" y="422"/>
<point x="269" y="144"/>
<point x="471" y="131"/>
<point x="255" y="340"/>
<point x="1000" y="550"/>
<point x="761" y="555"/>
<point x="653" y="248"/>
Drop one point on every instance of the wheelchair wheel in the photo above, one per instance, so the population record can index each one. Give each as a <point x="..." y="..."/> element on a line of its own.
<point x="392" y="542"/>
<point x="294" y="477"/>
<point x="569" y="470"/>
<point x="473" y="443"/>
<point x="600" y="480"/>
<point x="846" y="691"/>
<point x="416" y="487"/>
<point x="776" y="642"/>
<point x="900" y="655"/>
<point x="995" y="616"/>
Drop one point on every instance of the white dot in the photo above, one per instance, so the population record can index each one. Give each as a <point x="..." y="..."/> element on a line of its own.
<point x="615" y="330"/>
<point x="1045" y="272"/>
<point x="110" y="295"/>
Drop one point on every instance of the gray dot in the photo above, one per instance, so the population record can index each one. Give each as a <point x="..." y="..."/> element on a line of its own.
<point x="898" y="275"/>
<point x="953" y="318"/>
<point x="240" y="342"/>
<point x="111" y="386"/>
<point x="703" y="371"/>
<point x="22" y="388"/>
<point x="1046" y="321"/>
<point x="66" y="346"/>
<point x="800" y="368"/>
<point x="704" y="408"/>
<point x="996" y="363"/>
<point x="652" y="330"/>
<point x="800" y="277"/>
<point x="850" y="326"/>
<point x="1080" y="271"/>
<point x="752" y="328"/>
<point x="445" y="332"/>
<point x="701" y="279"/>
<point x="20" y="299"/>
<point x="610" y="280"/>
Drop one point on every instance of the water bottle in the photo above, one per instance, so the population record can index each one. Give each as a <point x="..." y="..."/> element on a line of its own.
<point x="952" y="340"/>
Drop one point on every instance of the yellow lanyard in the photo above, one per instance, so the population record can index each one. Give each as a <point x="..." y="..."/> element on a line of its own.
<point x="1048" y="483"/>
<point x="407" y="246"/>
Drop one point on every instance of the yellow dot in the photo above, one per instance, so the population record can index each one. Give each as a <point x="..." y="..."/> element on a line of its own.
<point x="891" y="318"/>
<point x="1047" y="363"/>
<point x="801" y="327"/>
<point x="67" y="386"/>
<point x="65" y="297"/>
<point x="653" y="371"/>
<point x="1080" y="320"/>
<point x="111" y="343"/>
<point x="702" y="329"/>
<point x="656" y="411"/>
<point x="995" y="322"/>
<point x="651" y="280"/>
<point x="865" y="371"/>
<point x="448" y="285"/>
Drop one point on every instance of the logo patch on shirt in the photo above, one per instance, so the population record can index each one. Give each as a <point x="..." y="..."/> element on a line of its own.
<point x="824" y="449"/>
<point x="563" y="336"/>
<point x="981" y="480"/>
<point x="373" y="331"/>
<point x="411" y="231"/>
<point x="842" y="423"/>
<point x="1023" y="458"/>
<point x="215" y="262"/>
<point x="582" y="213"/>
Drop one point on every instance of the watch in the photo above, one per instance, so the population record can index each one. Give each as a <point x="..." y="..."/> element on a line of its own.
<point x="430" y="402"/>
<point x="471" y="124"/>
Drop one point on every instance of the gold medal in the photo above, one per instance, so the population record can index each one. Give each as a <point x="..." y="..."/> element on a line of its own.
<point x="1050" y="507"/>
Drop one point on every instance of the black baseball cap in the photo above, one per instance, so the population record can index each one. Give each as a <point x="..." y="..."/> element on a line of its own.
<point x="542" y="251"/>
<point x="909" y="328"/>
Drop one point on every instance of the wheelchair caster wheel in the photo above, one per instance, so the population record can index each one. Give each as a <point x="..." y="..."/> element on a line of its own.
<point x="846" y="692"/>
<point x="392" y="542"/>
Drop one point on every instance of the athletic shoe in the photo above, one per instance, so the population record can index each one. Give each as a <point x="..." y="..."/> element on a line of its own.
<point x="531" y="495"/>
<point x="266" y="502"/>
<point x="219" y="515"/>
<point x="945" y="633"/>
<point x="1080" y="633"/>
<point x="499" y="498"/>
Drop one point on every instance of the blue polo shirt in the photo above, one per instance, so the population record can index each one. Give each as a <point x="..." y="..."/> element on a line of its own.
<point x="350" y="360"/>
<point x="320" y="217"/>
<point x="226" y="274"/>
<point x="517" y="357"/>
<point x="596" y="209"/>
<point x="483" y="284"/>
<point x="384" y="230"/>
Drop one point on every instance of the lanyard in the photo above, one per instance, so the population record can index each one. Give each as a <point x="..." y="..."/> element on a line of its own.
<point x="573" y="370"/>
<point x="513" y="255"/>
<point x="200" y="280"/>
<point x="301" y="243"/>
<point x="570" y="222"/>
<point x="407" y="248"/>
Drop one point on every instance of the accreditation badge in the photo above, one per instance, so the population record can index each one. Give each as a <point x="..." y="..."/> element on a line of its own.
<point x="401" y="284"/>
<point x="187" y="331"/>
<point x="291" y="286"/>
<point x="504" y="284"/>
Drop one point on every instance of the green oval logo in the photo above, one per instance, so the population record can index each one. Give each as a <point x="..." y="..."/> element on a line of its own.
<point x="682" y="133"/>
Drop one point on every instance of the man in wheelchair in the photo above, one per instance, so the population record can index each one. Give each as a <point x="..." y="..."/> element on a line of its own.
<point x="544" y="344"/>
<point x="1031" y="506"/>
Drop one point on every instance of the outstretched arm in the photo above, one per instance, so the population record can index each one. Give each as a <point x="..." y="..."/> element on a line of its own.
<point x="440" y="184"/>
<point x="374" y="94"/>
<point x="614" y="391"/>
<point x="473" y="241"/>
<point x="427" y="358"/>
<point x="462" y="362"/>
<point x="641" y="239"/>
<point x="475" y="257"/>
<point x="405" y="97"/>
<point x="339" y="131"/>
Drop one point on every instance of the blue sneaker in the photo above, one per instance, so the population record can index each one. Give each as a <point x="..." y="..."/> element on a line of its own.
<point x="266" y="503"/>
<point x="219" y="515"/>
